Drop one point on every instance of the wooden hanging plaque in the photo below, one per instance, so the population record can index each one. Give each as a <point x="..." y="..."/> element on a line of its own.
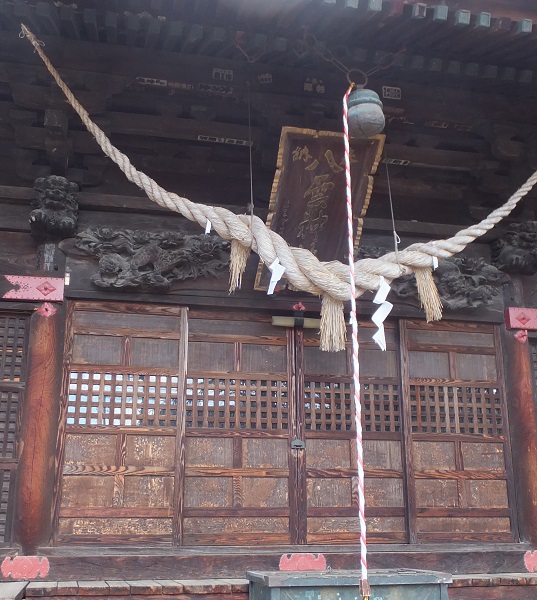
<point x="308" y="199"/>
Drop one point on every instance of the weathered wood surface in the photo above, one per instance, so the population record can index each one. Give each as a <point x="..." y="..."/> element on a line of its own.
<point x="111" y="564"/>
<point x="39" y="423"/>
<point x="233" y="589"/>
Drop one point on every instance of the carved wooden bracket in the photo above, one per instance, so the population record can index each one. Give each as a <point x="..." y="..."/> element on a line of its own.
<point x="462" y="282"/>
<point x="515" y="252"/>
<point x="55" y="208"/>
<point x="138" y="260"/>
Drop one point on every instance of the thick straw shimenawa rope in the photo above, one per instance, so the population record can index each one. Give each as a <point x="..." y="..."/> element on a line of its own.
<point x="302" y="269"/>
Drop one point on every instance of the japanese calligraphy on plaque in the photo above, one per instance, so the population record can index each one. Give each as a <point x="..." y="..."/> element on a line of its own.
<point x="308" y="199"/>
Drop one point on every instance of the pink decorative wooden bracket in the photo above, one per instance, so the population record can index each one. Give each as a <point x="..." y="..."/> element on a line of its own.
<point x="25" y="567"/>
<point x="35" y="288"/>
<point x="302" y="562"/>
<point x="521" y="318"/>
<point x="530" y="561"/>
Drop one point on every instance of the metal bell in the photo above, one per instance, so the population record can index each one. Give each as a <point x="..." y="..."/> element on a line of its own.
<point x="365" y="116"/>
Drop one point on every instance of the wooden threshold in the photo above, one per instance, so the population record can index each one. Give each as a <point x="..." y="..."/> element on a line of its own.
<point x="114" y="562"/>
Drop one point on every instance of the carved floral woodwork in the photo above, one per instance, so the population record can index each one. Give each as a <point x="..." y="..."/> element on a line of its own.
<point x="462" y="282"/>
<point x="515" y="252"/>
<point x="147" y="260"/>
<point x="55" y="208"/>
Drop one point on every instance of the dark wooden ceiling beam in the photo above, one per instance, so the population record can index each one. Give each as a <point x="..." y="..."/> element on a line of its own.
<point x="90" y="24"/>
<point x="70" y="22"/>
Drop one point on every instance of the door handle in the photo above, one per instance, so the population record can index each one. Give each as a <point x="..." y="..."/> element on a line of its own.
<point x="298" y="445"/>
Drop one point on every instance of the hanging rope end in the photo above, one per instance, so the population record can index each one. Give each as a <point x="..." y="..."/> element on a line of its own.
<point x="428" y="294"/>
<point x="365" y="588"/>
<point x="333" y="329"/>
<point x="237" y="264"/>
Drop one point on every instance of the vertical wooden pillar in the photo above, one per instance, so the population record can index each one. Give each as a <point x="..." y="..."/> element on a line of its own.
<point x="39" y="426"/>
<point x="34" y="496"/>
<point x="522" y="422"/>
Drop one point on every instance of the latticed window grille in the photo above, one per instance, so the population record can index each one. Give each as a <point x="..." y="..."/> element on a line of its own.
<point x="381" y="409"/>
<point x="122" y="399"/>
<point x="456" y="409"/>
<point x="329" y="406"/>
<point x="12" y="383"/>
<point x="12" y="343"/>
<point x="242" y="403"/>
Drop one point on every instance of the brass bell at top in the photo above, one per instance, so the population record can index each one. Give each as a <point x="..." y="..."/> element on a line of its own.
<point x="365" y="116"/>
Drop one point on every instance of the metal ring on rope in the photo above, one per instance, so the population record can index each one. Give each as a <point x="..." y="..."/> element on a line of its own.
<point x="353" y="82"/>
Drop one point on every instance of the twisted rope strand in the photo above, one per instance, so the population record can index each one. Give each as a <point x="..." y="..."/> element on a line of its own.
<point x="302" y="269"/>
<point x="364" y="584"/>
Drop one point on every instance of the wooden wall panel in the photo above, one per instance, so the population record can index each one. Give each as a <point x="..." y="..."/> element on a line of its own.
<point x="475" y="367"/>
<point x="434" y="455"/>
<point x="265" y="453"/>
<point x="486" y="457"/>
<point x="148" y="491"/>
<point x="157" y="353"/>
<point x="150" y="450"/>
<point x="258" y="358"/>
<point x="383" y="454"/>
<point x="209" y="452"/>
<point x="328" y="454"/>
<point x="384" y="492"/>
<point x="428" y="365"/>
<point x="326" y="363"/>
<point x="436" y="493"/>
<point x="222" y="356"/>
<point x="97" y="350"/>
<point x="75" y="491"/>
<point x="110" y="528"/>
<point x="329" y="492"/>
<point x="265" y="492"/>
<point x="83" y="449"/>
<point x="484" y="494"/>
<point x="208" y="492"/>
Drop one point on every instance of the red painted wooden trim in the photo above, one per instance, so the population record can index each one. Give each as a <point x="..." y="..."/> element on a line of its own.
<point x="25" y="567"/>
<point x="530" y="561"/>
<point x="521" y="318"/>
<point x="35" y="288"/>
<point x="303" y="562"/>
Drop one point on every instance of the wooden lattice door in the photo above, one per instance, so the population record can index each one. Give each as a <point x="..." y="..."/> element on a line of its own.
<point x="270" y="450"/>
<point x="119" y="445"/>
<point x="239" y="424"/>
<point x="326" y="410"/>
<point x="460" y="482"/>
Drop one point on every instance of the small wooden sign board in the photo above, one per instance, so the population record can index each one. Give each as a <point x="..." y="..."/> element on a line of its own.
<point x="308" y="200"/>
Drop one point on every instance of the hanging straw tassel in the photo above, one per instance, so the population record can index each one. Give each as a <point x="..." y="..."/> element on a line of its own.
<point x="333" y="330"/>
<point x="428" y="294"/>
<point x="237" y="264"/>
